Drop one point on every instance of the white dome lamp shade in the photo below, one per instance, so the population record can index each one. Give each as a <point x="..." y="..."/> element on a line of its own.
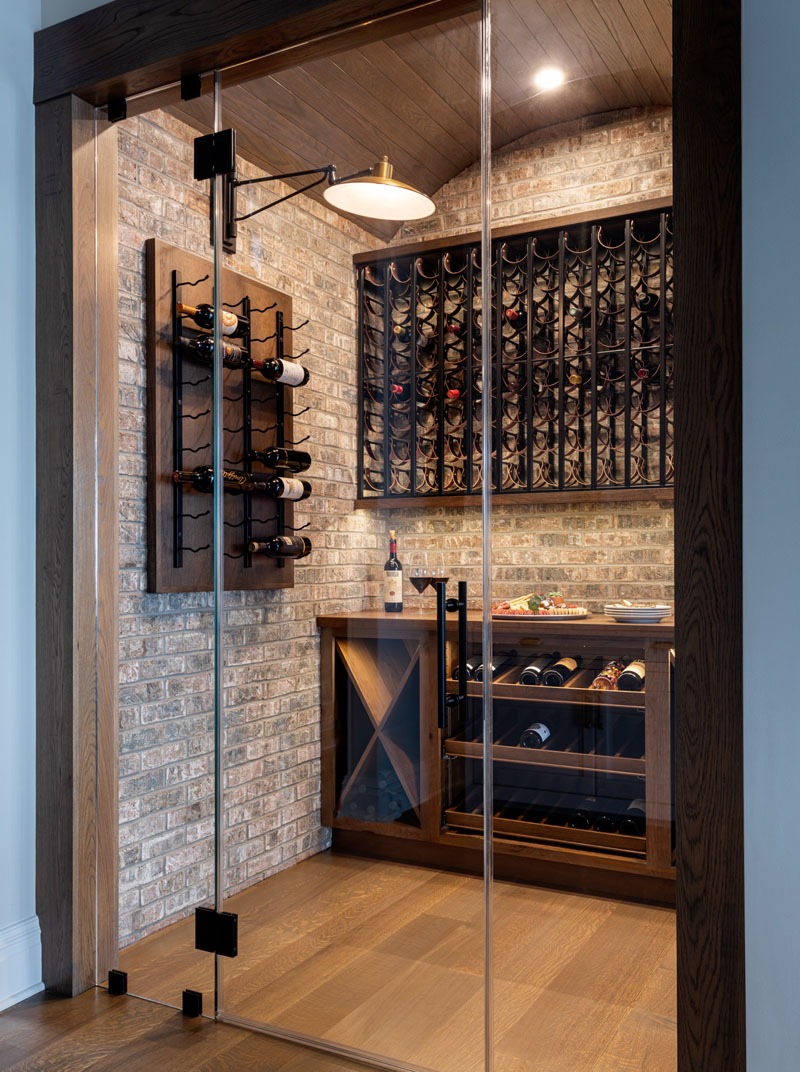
<point x="376" y="195"/>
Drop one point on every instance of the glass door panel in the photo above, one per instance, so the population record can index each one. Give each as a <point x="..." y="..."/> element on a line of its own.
<point x="167" y="843"/>
<point x="579" y="727"/>
<point x="360" y="909"/>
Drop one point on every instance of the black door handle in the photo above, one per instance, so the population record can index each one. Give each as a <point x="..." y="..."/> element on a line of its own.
<point x="443" y="605"/>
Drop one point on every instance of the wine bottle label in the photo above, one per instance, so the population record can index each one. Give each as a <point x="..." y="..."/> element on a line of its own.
<point x="230" y="322"/>
<point x="292" y="373"/>
<point x="570" y="664"/>
<point x="291" y="488"/>
<point x="541" y="729"/>
<point x="393" y="586"/>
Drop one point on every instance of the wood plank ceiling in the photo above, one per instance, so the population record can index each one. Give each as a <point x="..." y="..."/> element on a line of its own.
<point x="415" y="96"/>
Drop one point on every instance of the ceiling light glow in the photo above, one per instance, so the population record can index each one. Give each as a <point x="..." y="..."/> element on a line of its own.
<point x="548" y="78"/>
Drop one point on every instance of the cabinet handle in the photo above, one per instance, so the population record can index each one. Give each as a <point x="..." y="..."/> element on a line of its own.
<point x="443" y="605"/>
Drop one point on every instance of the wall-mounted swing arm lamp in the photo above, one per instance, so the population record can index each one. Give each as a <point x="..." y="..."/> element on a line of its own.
<point x="372" y="193"/>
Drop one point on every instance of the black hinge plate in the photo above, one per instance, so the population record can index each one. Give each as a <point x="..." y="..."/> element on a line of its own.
<point x="215" y="154"/>
<point x="216" y="932"/>
<point x="117" y="982"/>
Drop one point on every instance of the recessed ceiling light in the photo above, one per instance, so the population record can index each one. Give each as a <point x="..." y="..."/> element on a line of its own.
<point x="548" y="78"/>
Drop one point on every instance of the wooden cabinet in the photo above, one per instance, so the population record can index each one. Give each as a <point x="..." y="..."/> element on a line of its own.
<point x="396" y="785"/>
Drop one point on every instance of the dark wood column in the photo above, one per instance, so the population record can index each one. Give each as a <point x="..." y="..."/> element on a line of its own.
<point x="708" y="537"/>
<point x="76" y="542"/>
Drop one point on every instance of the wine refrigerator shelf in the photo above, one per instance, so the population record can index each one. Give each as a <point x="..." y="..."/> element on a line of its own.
<point x="257" y="414"/>
<point x="581" y="390"/>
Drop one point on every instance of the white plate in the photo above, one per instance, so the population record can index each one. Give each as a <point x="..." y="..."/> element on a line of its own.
<point x="653" y="607"/>
<point x="582" y="612"/>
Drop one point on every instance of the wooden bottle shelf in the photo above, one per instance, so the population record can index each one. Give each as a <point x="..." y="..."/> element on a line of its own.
<point x="547" y="757"/>
<point x="526" y="830"/>
<point x="531" y="694"/>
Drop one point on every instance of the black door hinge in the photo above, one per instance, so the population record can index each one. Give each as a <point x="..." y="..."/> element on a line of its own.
<point x="216" y="932"/>
<point x="192" y="1003"/>
<point x="215" y="154"/>
<point x="117" y="982"/>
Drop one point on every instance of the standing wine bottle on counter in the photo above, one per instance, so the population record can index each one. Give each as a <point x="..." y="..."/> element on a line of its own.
<point x="294" y="461"/>
<point x="282" y="547"/>
<point x="282" y="370"/>
<point x="632" y="677"/>
<point x="203" y="316"/>
<point x="560" y="672"/>
<point x="393" y="579"/>
<point x="504" y="660"/>
<point x="534" y="736"/>
<point x="532" y="674"/>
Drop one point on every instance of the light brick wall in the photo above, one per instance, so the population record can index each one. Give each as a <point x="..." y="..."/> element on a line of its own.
<point x="592" y="552"/>
<point x="272" y="657"/>
<point x="272" y="663"/>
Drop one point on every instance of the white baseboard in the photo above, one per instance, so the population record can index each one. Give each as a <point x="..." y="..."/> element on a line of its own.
<point x="20" y="961"/>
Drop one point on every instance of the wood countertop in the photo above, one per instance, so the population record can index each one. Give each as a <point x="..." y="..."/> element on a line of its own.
<point x="411" y="621"/>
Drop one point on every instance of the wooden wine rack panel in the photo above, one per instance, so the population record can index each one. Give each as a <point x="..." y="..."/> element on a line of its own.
<point x="179" y="430"/>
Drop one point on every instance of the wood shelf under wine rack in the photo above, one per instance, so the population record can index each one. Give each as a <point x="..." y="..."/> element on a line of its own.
<point x="395" y="784"/>
<point x="257" y="414"/>
<point x="581" y="391"/>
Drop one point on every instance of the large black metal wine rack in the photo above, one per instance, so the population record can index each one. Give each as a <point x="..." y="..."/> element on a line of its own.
<point x="581" y="390"/>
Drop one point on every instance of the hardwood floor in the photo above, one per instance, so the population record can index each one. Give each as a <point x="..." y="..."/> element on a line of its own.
<point x="98" y="1032"/>
<point x="388" y="958"/>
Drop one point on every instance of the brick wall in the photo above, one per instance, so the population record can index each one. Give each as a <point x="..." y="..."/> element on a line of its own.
<point x="592" y="552"/>
<point x="271" y="677"/>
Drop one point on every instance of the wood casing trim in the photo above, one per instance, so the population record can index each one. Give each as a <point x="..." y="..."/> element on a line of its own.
<point x="708" y="536"/>
<point x="76" y="544"/>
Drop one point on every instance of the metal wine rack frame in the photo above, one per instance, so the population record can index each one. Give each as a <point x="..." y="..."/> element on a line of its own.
<point x="581" y="394"/>
<point x="257" y="414"/>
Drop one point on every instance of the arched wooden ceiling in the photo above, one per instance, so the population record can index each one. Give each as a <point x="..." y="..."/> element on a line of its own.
<point x="415" y="96"/>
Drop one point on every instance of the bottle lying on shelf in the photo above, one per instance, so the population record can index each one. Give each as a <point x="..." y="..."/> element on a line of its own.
<point x="276" y="487"/>
<point x="534" y="736"/>
<point x="505" y="658"/>
<point x="203" y="316"/>
<point x="632" y="677"/>
<point x="609" y="675"/>
<point x="560" y="672"/>
<point x="233" y="356"/>
<point x="532" y="673"/>
<point x="282" y="370"/>
<point x="633" y="822"/>
<point x="294" y="461"/>
<point x="274" y="369"/>
<point x="471" y="666"/>
<point x="281" y="547"/>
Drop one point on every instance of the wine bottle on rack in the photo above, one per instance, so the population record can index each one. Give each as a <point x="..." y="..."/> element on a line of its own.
<point x="633" y="822"/>
<point x="233" y="356"/>
<point x="277" y="487"/>
<point x="609" y="675"/>
<point x="203" y="316"/>
<point x="400" y="331"/>
<point x="532" y="674"/>
<point x="560" y="672"/>
<point x="393" y="579"/>
<point x="470" y="668"/>
<point x="534" y="736"/>
<point x="294" y="461"/>
<point x="632" y="677"/>
<point x="646" y="302"/>
<point x="517" y="318"/>
<point x="579" y="820"/>
<point x="453" y="327"/>
<point x="282" y="370"/>
<point x="425" y="343"/>
<point x="400" y="392"/>
<point x="282" y="547"/>
<point x="504" y="658"/>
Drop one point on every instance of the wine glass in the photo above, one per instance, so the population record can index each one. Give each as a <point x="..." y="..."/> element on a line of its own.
<point x="438" y="573"/>
<point x="419" y="574"/>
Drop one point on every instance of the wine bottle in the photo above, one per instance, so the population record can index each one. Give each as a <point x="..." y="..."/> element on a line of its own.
<point x="647" y="302"/>
<point x="282" y="370"/>
<point x="504" y="661"/>
<point x="517" y="318"/>
<point x="534" y="736"/>
<point x="579" y="820"/>
<point x="277" y="487"/>
<point x="282" y="547"/>
<point x="453" y="327"/>
<point x="203" y="316"/>
<point x="393" y="579"/>
<point x="632" y="677"/>
<point x="233" y="356"/>
<point x="532" y="674"/>
<point x="470" y="667"/>
<point x="425" y="343"/>
<point x="608" y="676"/>
<point x="560" y="672"/>
<point x="605" y="823"/>
<point x="400" y="392"/>
<point x="294" y="461"/>
<point x="633" y="822"/>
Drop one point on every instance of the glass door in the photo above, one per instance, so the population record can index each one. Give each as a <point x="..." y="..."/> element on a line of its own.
<point x="580" y="715"/>
<point x="359" y="457"/>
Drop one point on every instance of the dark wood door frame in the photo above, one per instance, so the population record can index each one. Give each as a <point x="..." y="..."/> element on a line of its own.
<point x="134" y="45"/>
